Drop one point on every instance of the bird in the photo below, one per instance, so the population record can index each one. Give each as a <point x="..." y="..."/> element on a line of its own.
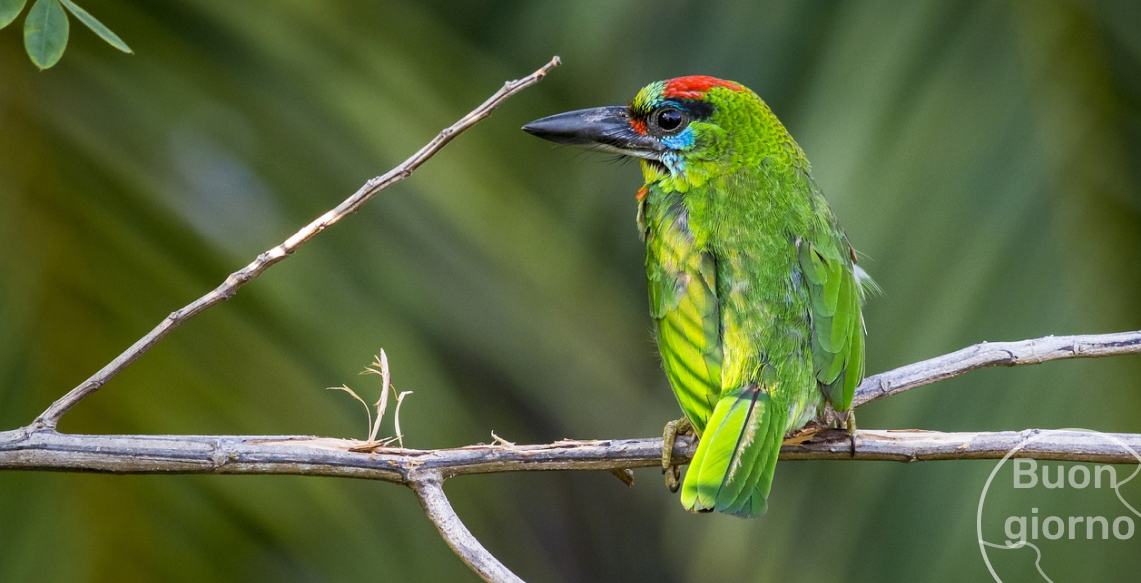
<point x="754" y="291"/>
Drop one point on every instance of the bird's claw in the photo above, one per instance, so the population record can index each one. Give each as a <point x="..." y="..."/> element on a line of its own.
<point x="850" y="423"/>
<point x="673" y="478"/>
<point x="671" y="470"/>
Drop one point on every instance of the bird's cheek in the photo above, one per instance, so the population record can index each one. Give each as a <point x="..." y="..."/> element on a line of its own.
<point x="679" y="142"/>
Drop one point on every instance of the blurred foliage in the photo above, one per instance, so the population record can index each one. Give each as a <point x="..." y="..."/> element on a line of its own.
<point x="46" y="28"/>
<point x="983" y="155"/>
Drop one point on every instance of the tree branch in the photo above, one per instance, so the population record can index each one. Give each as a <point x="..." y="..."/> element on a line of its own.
<point x="984" y="354"/>
<point x="50" y="418"/>
<point x="430" y="490"/>
<point x="45" y="450"/>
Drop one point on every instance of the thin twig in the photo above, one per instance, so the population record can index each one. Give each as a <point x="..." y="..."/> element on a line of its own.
<point x="986" y="354"/>
<point x="429" y="489"/>
<point x="50" y="418"/>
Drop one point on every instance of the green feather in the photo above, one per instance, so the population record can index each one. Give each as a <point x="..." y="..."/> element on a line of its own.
<point x="831" y="365"/>
<point x="716" y="449"/>
<point x="751" y="499"/>
<point x="833" y="286"/>
<point x="837" y="322"/>
<point x="812" y="265"/>
<point x="855" y="369"/>
<point x="747" y="448"/>
<point x="685" y="308"/>
<point x="843" y="315"/>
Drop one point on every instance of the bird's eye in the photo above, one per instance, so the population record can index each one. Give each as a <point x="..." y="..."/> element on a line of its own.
<point x="669" y="120"/>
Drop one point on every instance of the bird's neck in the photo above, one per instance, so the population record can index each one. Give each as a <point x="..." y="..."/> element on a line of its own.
<point x="738" y="210"/>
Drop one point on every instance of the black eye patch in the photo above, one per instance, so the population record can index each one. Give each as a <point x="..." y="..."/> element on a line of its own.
<point x="696" y="108"/>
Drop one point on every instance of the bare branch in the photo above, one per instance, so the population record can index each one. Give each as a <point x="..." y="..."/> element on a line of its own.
<point x="50" y="418"/>
<point x="45" y="450"/>
<point x="986" y="354"/>
<point x="912" y="445"/>
<point x="429" y="489"/>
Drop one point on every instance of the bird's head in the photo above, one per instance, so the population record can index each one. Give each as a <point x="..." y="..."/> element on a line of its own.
<point x="685" y="130"/>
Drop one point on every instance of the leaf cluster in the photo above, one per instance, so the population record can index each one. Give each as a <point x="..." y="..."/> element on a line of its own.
<point x="46" y="28"/>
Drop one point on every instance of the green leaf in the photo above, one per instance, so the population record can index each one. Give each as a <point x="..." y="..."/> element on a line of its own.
<point x="9" y="10"/>
<point x="45" y="33"/>
<point x="97" y="27"/>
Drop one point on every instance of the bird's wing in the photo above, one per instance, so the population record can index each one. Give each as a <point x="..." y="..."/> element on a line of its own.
<point x="837" y="320"/>
<point x="683" y="303"/>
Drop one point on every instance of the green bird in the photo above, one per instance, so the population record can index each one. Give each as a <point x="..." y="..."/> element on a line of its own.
<point x="754" y="289"/>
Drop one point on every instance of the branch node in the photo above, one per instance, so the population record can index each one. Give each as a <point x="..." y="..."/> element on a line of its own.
<point x="624" y="475"/>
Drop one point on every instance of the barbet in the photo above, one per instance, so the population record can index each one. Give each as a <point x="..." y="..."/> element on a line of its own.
<point x="754" y="289"/>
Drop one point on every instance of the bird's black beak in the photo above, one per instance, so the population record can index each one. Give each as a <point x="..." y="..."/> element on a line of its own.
<point x="604" y="128"/>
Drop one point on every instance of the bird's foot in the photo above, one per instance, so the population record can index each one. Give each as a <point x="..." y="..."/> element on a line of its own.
<point x="849" y="419"/>
<point x="671" y="470"/>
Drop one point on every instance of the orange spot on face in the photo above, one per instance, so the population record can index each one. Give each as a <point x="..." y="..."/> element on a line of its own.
<point x="642" y="193"/>
<point x="695" y="86"/>
<point x="639" y="126"/>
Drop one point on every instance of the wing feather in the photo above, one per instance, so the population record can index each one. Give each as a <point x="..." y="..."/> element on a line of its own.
<point x="836" y="315"/>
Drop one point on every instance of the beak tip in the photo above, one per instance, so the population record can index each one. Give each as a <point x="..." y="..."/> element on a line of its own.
<point x="538" y="128"/>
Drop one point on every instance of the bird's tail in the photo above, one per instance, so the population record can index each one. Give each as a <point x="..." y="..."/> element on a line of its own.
<point x="732" y="470"/>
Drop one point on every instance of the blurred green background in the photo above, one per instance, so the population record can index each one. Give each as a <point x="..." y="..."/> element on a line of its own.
<point x="982" y="154"/>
